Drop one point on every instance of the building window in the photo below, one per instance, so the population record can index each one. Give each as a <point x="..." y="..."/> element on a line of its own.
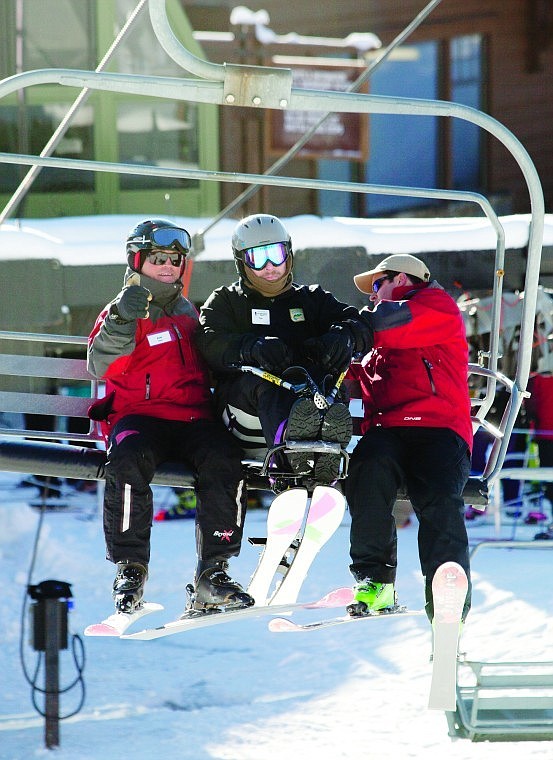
<point x="150" y="132"/>
<point x="28" y="129"/>
<point x="157" y="134"/>
<point x="46" y="45"/>
<point x="466" y="74"/>
<point x="418" y="151"/>
<point x="403" y="150"/>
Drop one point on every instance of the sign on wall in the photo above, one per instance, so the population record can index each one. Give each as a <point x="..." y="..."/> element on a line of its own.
<point x="341" y="135"/>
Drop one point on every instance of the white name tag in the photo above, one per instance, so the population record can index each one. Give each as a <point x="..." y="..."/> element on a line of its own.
<point x="261" y="317"/>
<point x="154" y="339"/>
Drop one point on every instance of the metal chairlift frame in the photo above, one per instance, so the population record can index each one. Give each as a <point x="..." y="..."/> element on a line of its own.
<point x="265" y="87"/>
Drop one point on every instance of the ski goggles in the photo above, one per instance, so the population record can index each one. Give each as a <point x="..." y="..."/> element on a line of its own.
<point x="160" y="257"/>
<point x="167" y="237"/>
<point x="259" y="257"/>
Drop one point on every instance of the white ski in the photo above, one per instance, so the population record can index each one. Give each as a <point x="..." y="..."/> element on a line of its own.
<point x="199" y="620"/>
<point x="284" y="523"/>
<point x="283" y="625"/>
<point x="116" y="624"/>
<point x="449" y="590"/>
<point x="325" y="514"/>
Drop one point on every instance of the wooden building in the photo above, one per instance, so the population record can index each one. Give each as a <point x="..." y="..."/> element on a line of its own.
<point x="496" y="55"/>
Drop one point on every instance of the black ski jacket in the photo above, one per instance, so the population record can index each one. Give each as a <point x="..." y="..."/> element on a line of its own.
<point x="235" y="316"/>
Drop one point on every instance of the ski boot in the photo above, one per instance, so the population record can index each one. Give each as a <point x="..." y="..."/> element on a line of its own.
<point x="214" y="590"/>
<point x="372" y="597"/>
<point x="546" y="535"/>
<point x="128" y="586"/>
<point x="337" y="427"/>
<point x="303" y="425"/>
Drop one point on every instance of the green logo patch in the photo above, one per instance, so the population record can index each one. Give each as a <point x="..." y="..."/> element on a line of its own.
<point x="297" y="315"/>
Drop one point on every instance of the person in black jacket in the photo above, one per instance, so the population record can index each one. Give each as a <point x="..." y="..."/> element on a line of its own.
<point x="266" y="320"/>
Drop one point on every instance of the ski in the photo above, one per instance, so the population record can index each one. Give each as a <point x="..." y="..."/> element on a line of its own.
<point x="284" y="522"/>
<point x="284" y="625"/>
<point x="449" y="590"/>
<point x="192" y="621"/>
<point x="117" y="624"/>
<point x="326" y="512"/>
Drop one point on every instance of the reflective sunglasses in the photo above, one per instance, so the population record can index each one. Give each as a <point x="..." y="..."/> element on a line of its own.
<point x="258" y="257"/>
<point x="377" y="284"/>
<point x="167" y="237"/>
<point x="160" y="257"/>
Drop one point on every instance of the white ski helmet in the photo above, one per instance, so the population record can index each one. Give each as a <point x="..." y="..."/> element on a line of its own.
<point x="257" y="230"/>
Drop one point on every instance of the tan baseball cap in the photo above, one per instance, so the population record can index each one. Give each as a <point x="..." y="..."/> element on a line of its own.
<point x="397" y="262"/>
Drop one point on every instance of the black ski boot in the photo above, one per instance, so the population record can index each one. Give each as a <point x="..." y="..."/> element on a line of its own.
<point x="303" y="424"/>
<point x="214" y="590"/>
<point x="337" y="427"/>
<point x="128" y="586"/>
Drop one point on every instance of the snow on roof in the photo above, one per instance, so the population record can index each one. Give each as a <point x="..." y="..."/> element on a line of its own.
<point x="85" y="240"/>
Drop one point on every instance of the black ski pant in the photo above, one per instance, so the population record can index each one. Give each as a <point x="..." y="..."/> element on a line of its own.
<point x="137" y="445"/>
<point x="545" y="448"/>
<point x="434" y="465"/>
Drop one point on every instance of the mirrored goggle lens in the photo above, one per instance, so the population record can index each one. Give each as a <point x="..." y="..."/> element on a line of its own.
<point x="170" y="237"/>
<point x="157" y="257"/>
<point x="258" y="257"/>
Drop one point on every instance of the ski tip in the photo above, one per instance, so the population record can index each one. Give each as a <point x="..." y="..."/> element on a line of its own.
<point x="340" y="597"/>
<point x="282" y="625"/>
<point x="449" y="589"/>
<point x="101" y="629"/>
<point x="116" y="624"/>
<point x="452" y="572"/>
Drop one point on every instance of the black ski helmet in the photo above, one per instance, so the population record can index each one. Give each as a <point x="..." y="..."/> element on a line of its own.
<point x="155" y="233"/>
<point x="256" y="230"/>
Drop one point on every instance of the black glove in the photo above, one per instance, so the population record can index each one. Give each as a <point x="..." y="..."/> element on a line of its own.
<point x="133" y="303"/>
<point x="331" y="351"/>
<point x="271" y="354"/>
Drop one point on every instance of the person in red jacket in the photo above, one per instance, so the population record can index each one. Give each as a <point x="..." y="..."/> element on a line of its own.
<point x="416" y="429"/>
<point x="539" y="409"/>
<point x="157" y="408"/>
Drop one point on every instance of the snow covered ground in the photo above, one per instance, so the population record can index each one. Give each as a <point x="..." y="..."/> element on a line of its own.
<point x="237" y="691"/>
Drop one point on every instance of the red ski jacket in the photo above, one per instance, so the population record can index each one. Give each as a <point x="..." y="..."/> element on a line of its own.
<point x="151" y="366"/>
<point x="416" y="374"/>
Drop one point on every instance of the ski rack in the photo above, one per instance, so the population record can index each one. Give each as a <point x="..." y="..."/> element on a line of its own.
<point x="262" y="87"/>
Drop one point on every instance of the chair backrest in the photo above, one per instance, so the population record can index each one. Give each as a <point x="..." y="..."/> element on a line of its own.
<point x="64" y="390"/>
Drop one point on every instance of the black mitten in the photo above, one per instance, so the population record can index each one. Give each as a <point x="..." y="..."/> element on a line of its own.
<point x="271" y="354"/>
<point x="331" y="351"/>
<point x="133" y="303"/>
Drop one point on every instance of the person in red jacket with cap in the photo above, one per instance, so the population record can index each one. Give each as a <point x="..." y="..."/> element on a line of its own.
<point x="416" y="430"/>
<point x="158" y="408"/>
